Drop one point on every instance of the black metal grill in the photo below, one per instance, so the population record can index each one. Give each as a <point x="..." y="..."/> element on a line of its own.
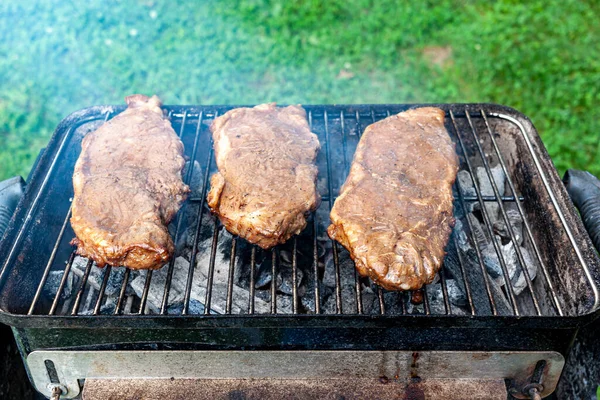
<point x="477" y="134"/>
<point x="564" y="284"/>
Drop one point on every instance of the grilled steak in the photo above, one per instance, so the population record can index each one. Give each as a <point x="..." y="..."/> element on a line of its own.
<point x="266" y="184"/>
<point x="394" y="212"/>
<point x="128" y="187"/>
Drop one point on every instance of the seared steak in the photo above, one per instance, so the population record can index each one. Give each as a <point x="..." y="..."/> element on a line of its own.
<point x="266" y="184"/>
<point x="128" y="187"/>
<point x="394" y="212"/>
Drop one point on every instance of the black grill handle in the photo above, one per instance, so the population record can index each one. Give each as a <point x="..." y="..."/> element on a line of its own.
<point x="584" y="189"/>
<point x="11" y="191"/>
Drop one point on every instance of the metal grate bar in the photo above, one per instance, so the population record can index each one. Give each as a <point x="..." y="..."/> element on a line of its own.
<point x="252" y="280"/>
<point x="190" y="276"/>
<point x="464" y="277"/>
<point x="379" y="289"/>
<point x="107" y="271"/>
<point x="447" y="306"/>
<point x="466" y="198"/>
<point x="145" y="292"/>
<point x="274" y="258"/>
<point x="49" y="264"/>
<point x="211" y="267"/>
<point x="554" y="296"/>
<point x="426" y="301"/>
<point x="61" y="286"/>
<point x="505" y="216"/>
<point x="402" y="303"/>
<point x="315" y="248"/>
<point x="295" y="277"/>
<point x="84" y="279"/>
<point x="358" y="289"/>
<point x="316" y="267"/>
<point x="180" y="214"/>
<point x="487" y="222"/>
<point x="381" y="300"/>
<point x="230" y="277"/>
<point x="338" y="287"/>
<point x="357" y="285"/>
<point x="122" y="291"/>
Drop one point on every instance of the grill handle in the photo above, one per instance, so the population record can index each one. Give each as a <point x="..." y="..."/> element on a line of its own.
<point x="584" y="189"/>
<point x="11" y="191"/>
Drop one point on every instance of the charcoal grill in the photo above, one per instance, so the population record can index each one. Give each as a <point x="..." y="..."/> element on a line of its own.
<point x="317" y="332"/>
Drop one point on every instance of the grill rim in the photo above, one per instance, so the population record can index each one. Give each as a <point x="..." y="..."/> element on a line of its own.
<point x="49" y="158"/>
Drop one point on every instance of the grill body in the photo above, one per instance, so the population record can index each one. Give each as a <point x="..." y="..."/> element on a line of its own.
<point x="544" y="317"/>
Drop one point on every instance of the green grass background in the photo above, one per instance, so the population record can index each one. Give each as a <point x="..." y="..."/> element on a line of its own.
<point x="541" y="57"/>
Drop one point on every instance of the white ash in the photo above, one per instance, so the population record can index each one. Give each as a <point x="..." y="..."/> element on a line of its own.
<point x="515" y="271"/>
<point x="196" y="179"/>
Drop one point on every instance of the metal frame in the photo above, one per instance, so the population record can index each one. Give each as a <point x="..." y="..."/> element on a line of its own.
<point x="51" y="369"/>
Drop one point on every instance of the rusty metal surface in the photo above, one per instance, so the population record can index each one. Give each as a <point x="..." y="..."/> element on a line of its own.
<point x="399" y="366"/>
<point x="179" y="389"/>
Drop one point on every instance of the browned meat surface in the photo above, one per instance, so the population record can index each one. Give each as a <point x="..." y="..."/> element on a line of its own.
<point x="266" y="184"/>
<point x="394" y="212"/>
<point x="128" y="187"/>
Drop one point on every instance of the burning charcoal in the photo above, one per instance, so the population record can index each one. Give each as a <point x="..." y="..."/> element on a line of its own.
<point x="348" y="301"/>
<point x="457" y="299"/>
<point x="284" y="304"/>
<point x="79" y="265"/>
<point x="486" y="247"/>
<point x="478" y="231"/>
<point x="515" y="221"/>
<point x="491" y="261"/>
<point x="455" y="294"/>
<point x="308" y="298"/>
<point x="474" y="275"/>
<point x="393" y="302"/>
<point x="263" y="274"/>
<point x="198" y="290"/>
<point x="322" y="248"/>
<point x="322" y="185"/>
<point x="285" y="284"/>
<point x="106" y="309"/>
<point x="346" y="267"/>
<point x="285" y="257"/>
<point x="222" y="258"/>
<point x="370" y="301"/>
<point x="515" y="271"/>
<point x="53" y="282"/>
<point x="347" y="280"/>
<point x="485" y="186"/>
<point x="466" y="183"/>
<point x="157" y="285"/>
<point x="194" y="308"/>
<point x="113" y="285"/>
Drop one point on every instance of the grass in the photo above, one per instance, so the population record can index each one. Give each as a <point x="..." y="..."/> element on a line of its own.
<point x="540" y="57"/>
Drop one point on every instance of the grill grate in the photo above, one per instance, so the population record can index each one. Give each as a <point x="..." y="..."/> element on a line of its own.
<point x="477" y="146"/>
